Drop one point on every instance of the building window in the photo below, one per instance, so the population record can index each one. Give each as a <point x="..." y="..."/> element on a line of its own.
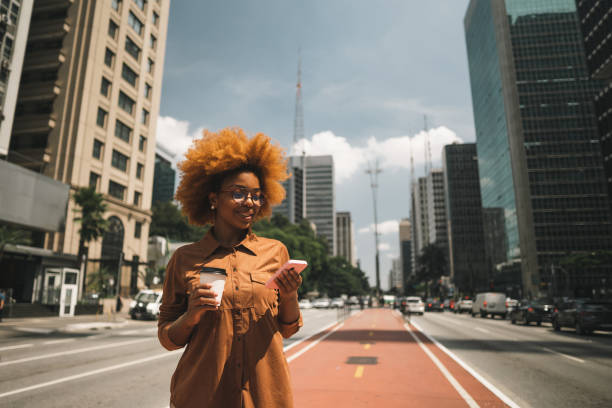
<point x="101" y="119"/>
<point x="116" y="4"/>
<point x="109" y="58"/>
<point x="123" y="131"/>
<point x="137" y="198"/>
<point x="135" y="23"/>
<point x="142" y="143"/>
<point x="116" y="190"/>
<point x="150" y="65"/>
<point x="129" y="75"/>
<point x="94" y="179"/>
<point x="137" y="229"/>
<point x="144" y="118"/>
<point x="112" y="29"/>
<point x="147" y="91"/>
<point x="126" y="103"/>
<point x="155" y="18"/>
<point x="132" y="48"/>
<point x="119" y="161"/>
<point x="97" y="149"/>
<point x="105" y="87"/>
<point x="139" y="170"/>
<point x="152" y="42"/>
<point x="140" y="4"/>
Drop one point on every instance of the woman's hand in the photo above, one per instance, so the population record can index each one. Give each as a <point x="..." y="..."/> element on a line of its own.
<point x="288" y="282"/>
<point x="201" y="299"/>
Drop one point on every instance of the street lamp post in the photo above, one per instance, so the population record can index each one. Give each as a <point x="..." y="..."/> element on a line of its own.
<point x="374" y="184"/>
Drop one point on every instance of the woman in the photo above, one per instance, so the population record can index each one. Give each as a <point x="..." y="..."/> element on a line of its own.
<point x="234" y="351"/>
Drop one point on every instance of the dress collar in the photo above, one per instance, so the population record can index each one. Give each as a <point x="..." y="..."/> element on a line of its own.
<point x="209" y="243"/>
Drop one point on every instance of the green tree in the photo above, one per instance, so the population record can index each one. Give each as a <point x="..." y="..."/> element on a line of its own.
<point x="431" y="264"/>
<point x="167" y="221"/>
<point x="12" y="236"/>
<point x="91" y="216"/>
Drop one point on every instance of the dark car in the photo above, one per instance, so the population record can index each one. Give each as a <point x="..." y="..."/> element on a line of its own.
<point x="548" y="306"/>
<point x="585" y="315"/>
<point x="434" y="305"/>
<point x="528" y="311"/>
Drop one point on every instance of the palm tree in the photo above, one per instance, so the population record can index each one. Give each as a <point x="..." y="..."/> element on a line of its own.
<point x="11" y="236"/>
<point x="93" y="224"/>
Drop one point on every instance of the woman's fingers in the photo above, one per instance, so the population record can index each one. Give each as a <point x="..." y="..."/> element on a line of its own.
<point x="289" y="280"/>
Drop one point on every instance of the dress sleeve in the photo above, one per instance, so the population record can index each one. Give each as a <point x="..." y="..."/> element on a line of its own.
<point x="174" y="301"/>
<point x="288" y="329"/>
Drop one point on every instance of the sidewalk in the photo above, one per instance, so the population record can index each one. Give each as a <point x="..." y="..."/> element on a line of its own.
<point x="56" y="324"/>
<point x="375" y="360"/>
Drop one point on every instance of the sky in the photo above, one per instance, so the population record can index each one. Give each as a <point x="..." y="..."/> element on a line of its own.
<point x="371" y="72"/>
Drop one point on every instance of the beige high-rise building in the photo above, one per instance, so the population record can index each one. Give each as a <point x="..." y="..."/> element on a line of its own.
<point x="87" y="111"/>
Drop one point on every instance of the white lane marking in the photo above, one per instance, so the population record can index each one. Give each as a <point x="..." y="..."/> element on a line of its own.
<point x="470" y="370"/>
<point x="34" y="330"/>
<point x="311" y="345"/>
<point x="58" y="341"/>
<point x="89" y="373"/>
<point x="482" y="330"/>
<point x="63" y="353"/>
<point x="464" y="394"/>
<point x="17" y="346"/>
<point x="579" y="360"/>
<point x="137" y="331"/>
<point x="295" y="343"/>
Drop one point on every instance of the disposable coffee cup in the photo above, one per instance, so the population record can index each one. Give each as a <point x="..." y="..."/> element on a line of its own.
<point x="217" y="279"/>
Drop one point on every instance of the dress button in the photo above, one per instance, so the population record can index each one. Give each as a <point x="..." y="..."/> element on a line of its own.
<point x="237" y="288"/>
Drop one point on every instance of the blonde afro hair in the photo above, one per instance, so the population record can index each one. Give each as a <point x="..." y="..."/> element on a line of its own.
<point x="229" y="151"/>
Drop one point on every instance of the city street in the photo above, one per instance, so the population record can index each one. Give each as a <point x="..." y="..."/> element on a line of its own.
<point x="120" y="367"/>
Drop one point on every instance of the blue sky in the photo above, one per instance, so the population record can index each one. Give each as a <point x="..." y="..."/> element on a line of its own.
<point x="370" y="71"/>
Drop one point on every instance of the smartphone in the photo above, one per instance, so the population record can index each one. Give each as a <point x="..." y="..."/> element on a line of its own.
<point x="295" y="264"/>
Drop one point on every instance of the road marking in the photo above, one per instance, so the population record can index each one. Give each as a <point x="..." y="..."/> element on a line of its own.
<point x="63" y="353"/>
<point x="34" y="330"/>
<point x="311" y="345"/>
<point x="483" y="330"/>
<point x="464" y="394"/>
<point x="359" y="372"/>
<point x="17" y="346"/>
<point x="367" y="346"/>
<point x="470" y="370"/>
<point x="295" y="343"/>
<point x="58" y="341"/>
<point x="579" y="360"/>
<point x="89" y="373"/>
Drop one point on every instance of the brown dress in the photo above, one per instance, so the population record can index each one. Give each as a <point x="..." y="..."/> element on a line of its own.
<point x="234" y="357"/>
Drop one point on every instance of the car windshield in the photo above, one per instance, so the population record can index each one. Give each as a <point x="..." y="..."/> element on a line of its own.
<point x="413" y="300"/>
<point x="146" y="297"/>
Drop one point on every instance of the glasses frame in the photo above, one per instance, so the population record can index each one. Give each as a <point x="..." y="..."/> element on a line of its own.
<point x="248" y="194"/>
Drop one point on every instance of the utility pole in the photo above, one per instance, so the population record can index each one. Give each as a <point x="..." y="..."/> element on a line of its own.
<point x="374" y="184"/>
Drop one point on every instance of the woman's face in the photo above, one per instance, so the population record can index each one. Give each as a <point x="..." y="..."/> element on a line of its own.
<point x="238" y="201"/>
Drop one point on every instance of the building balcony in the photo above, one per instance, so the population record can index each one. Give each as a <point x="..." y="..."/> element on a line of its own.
<point x="52" y="5"/>
<point x="44" y="59"/>
<point x="38" y="91"/>
<point x="33" y="123"/>
<point x="48" y="29"/>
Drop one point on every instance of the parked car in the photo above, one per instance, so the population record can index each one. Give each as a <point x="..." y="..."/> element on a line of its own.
<point x="146" y="304"/>
<point x="527" y="311"/>
<point x="412" y="304"/>
<point x="305" y="304"/>
<point x="548" y="306"/>
<point x="464" y="305"/>
<point x="585" y="315"/>
<point x="337" y="303"/>
<point x="489" y="303"/>
<point x="353" y="300"/>
<point x="321" y="303"/>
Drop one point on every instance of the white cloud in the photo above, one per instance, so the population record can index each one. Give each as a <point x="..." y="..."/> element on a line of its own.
<point x="385" y="227"/>
<point x="393" y="153"/>
<point x="383" y="246"/>
<point x="174" y="135"/>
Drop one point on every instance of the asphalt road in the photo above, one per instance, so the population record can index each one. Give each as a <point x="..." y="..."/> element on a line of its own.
<point x="121" y="367"/>
<point x="534" y="366"/>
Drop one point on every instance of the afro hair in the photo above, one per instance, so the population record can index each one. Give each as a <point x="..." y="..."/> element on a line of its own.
<point x="228" y="151"/>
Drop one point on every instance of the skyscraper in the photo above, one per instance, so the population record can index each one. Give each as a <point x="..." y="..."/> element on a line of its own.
<point x="467" y="257"/>
<point x="321" y="197"/>
<point x="292" y="206"/>
<point x="538" y="153"/>
<point x="164" y="176"/>
<point x="87" y="111"/>
<point x="345" y="246"/>
<point x="405" y="233"/>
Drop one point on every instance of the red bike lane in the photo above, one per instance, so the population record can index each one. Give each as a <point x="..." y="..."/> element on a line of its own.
<point x="374" y="360"/>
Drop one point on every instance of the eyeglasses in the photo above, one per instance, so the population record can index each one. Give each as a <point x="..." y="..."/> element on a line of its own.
<point x="240" y="195"/>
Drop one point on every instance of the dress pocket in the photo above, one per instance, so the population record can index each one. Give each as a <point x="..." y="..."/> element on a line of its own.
<point x="264" y="299"/>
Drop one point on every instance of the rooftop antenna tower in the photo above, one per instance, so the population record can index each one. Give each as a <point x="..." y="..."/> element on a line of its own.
<point x="298" y="124"/>
<point x="373" y="172"/>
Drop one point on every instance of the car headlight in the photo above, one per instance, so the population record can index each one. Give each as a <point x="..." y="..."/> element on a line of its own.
<point x="132" y="304"/>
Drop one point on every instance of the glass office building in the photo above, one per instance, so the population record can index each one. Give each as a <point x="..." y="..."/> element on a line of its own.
<point x="539" y="154"/>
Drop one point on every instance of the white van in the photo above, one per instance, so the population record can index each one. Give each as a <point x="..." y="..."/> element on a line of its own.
<point x="146" y="304"/>
<point x="490" y="303"/>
